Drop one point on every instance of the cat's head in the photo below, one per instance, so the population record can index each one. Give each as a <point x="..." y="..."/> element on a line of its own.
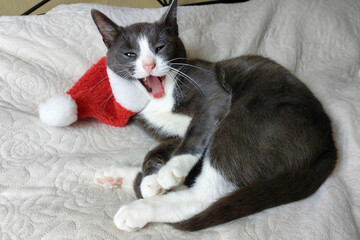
<point x="143" y="52"/>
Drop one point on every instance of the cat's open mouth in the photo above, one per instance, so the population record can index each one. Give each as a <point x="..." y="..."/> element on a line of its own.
<point x="154" y="85"/>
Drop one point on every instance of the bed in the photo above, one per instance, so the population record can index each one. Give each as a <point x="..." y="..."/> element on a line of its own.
<point x="46" y="173"/>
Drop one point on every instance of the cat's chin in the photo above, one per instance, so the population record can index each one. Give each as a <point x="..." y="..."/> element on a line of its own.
<point x="154" y="85"/>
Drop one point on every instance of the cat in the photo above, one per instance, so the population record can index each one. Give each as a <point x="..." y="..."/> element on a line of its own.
<point x="237" y="136"/>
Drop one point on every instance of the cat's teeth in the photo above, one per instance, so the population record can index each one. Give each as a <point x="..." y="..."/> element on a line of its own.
<point x="143" y="80"/>
<point x="157" y="93"/>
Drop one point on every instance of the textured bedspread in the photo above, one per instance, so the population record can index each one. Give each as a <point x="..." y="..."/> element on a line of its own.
<point x="46" y="173"/>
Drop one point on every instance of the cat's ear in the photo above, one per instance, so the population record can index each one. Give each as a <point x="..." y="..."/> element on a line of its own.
<point x="107" y="28"/>
<point x="170" y="17"/>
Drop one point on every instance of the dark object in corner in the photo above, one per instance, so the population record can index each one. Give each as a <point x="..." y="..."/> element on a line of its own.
<point x="165" y="3"/>
<point x="37" y="6"/>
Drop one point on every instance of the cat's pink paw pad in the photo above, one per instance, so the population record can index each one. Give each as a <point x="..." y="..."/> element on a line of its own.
<point x="104" y="178"/>
<point x="109" y="179"/>
<point x="159" y="191"/>
<point x="99" y="181"/>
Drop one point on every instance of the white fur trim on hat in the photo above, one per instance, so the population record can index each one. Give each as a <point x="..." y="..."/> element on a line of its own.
<point x="126" y="93"/>
<point x="60" y="110"/>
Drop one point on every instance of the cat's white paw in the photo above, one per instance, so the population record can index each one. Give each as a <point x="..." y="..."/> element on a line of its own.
<point x="133" y="216"/>
<point x="150" y="187"/>
<point x="116" y="177"/>
<point x="175" y="171"/>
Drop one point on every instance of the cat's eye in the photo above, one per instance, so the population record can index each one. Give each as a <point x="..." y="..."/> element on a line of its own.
<point x="158" y="48"/>
<point x="130" y="54"/>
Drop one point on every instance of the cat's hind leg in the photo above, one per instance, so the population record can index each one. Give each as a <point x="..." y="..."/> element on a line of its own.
<point x="142" y="180"/>
<point x="112" y="177"/>
<point x="175" y="206"/>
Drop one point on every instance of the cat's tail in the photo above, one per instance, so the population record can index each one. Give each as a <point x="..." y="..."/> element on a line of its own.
<point x="263" y="195"/>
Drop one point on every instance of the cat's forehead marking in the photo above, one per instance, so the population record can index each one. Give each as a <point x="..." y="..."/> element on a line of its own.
<point x="145" y="52"/>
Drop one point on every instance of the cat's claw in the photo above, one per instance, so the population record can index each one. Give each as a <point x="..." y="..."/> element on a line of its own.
<point x="132" y="217"/>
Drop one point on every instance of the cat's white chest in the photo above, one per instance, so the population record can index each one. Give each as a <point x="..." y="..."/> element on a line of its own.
<point x="159" y="116"/>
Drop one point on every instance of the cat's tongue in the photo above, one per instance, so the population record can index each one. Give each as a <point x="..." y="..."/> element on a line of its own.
<point x="157" y="89"/>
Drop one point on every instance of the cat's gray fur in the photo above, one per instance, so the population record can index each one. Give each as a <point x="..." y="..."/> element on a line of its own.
<point x="264" y="130"/>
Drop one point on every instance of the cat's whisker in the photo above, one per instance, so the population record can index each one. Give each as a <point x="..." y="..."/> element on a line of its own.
<point x="174" y="59"/>
<point x="114" y="66"/>
<point x="106" y="101"/>
<point x="99" y="82"/>
<point x="122" y="64"/>
<point x="186" y="86"/>
<point x="123" y="72"/>
<point x="190" y="65"/>
<point x="176" y="79"/>
<point x="187" y="77"/>
<point x="126" y="75"/>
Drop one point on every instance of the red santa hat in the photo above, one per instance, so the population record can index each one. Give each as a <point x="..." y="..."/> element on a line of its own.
<point x="112" y="101"/>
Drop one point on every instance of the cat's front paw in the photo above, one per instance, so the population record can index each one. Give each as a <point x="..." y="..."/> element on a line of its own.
<point x="133" y="216"/>
<point x="150" y="187"/>
<point x="175" y="171"/>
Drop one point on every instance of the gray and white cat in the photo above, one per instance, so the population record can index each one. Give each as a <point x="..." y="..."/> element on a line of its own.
<point x="238" y="136"/>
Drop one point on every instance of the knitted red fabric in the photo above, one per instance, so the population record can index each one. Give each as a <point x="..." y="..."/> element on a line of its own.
<point x="94" y="98"/>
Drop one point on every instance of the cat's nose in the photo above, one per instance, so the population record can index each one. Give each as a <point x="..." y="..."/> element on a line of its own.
<point x="149" y="66"/>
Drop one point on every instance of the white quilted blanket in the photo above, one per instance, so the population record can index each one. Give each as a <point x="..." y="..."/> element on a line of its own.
<point x="46" y="173"/>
